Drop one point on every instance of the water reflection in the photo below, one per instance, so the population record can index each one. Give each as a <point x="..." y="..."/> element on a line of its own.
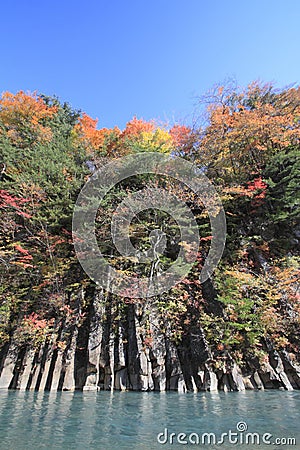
<point x="132" y="420"/>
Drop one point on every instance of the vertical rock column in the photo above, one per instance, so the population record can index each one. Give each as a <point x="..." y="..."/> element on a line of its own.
<point x="94" y="343"/>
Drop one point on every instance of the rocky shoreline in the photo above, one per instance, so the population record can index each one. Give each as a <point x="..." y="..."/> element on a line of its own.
<point x="100" y="356"/>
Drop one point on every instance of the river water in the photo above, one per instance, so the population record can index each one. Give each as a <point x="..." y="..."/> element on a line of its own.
<point x="149" y="420"/>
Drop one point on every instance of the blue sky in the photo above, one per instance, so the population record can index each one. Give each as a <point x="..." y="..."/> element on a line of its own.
<point x="119" y="58"/>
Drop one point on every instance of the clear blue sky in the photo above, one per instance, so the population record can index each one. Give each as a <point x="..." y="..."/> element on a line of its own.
<point x="150" y="58"/>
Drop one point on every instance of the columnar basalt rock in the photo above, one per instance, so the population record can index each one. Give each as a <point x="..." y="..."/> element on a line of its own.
<point x="102" y="355"/>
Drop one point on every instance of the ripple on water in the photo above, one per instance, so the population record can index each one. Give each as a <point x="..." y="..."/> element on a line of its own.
<point x="132" y="420"/>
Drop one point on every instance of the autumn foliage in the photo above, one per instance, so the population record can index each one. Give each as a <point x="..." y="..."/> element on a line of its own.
<point x="24" y="116"/>
<point x="248" y="146"/>
<point x="246" y="127"/>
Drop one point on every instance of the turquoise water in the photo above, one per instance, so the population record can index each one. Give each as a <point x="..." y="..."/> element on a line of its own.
<point x="133" y="420"/>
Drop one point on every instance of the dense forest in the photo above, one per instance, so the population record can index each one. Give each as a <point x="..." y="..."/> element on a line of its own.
<point x="239" y="329"/>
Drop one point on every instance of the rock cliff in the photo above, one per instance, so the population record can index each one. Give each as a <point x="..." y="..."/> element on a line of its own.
<point x="101" y="354"/>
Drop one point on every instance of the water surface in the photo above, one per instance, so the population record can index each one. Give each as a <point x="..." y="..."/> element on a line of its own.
<point x="133" y="420"/>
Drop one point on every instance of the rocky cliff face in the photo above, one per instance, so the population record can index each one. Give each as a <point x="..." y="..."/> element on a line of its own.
<point x="99" y="354"/>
